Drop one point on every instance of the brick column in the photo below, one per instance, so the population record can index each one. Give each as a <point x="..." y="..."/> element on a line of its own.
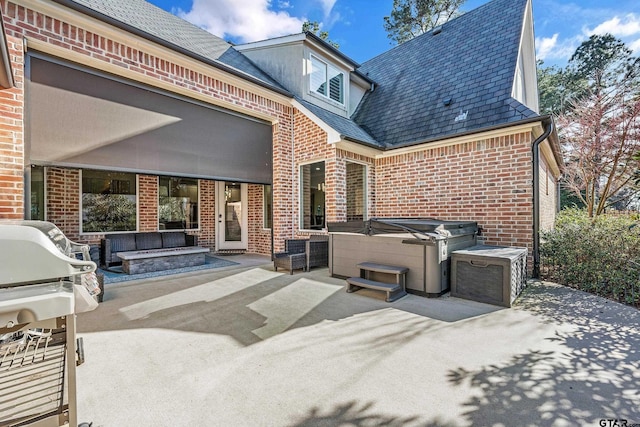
<point x="12" y="138"/>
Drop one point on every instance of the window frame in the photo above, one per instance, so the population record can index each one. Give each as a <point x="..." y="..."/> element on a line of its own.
<point x="327" y="66"/>
<point x="199" y="204"/>
<point x="267" y="209"/>
<point x="45" y="171"/>
<point x="301" y="195"/>
<point x="365" y="189"/>
<point x="80" y="210"/>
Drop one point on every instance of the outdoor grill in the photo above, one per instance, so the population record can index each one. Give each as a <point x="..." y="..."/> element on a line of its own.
<point x="423" y="245"/>
<point x="44" y="279"/>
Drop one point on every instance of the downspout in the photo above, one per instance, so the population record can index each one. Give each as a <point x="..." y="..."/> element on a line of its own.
<point x="293" y="174"/>
<point x="548" y="124"/>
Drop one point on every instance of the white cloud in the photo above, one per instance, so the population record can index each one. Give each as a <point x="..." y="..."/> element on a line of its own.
<point x="244" y="20"/>
<point x="625" y="27"/>
<point x="635" y="47"/>
<point x="327" y="6"/>
<point x="545" y="45"/>
<point x="555" y="49"/>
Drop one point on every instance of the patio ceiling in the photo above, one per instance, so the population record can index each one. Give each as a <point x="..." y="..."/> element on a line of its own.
<point x="78" y="117"/>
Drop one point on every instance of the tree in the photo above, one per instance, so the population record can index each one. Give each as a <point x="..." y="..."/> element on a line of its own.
<point x="410" y="18"/>
<point x="557" y="88"/>
<point x="599" y="130"/>
<point x="314" y="27"/>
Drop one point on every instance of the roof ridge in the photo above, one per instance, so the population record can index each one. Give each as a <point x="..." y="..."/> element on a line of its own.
<point x="430" y="32"/>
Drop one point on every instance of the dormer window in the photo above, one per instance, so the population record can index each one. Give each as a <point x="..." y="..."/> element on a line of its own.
<point x="327" y="80"/>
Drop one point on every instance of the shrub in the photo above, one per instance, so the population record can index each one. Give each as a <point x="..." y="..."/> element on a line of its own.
<point x="600" y="255"/>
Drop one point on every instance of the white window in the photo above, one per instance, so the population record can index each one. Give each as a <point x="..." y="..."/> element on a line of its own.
<point x="327" y="80"/>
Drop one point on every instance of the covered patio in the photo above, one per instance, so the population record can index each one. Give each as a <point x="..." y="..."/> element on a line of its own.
<point x="246" y="346"/>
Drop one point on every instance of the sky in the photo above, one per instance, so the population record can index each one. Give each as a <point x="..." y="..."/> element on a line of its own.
<point x="357" y="25"/>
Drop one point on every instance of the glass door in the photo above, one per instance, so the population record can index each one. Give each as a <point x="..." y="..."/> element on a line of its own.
<point x="232" y="215"/>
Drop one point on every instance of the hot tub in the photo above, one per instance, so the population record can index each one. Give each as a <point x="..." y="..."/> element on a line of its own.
<point x="422" y="245"/>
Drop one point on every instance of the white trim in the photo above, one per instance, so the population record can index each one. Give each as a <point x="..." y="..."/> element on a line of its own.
<point x="277" y="41"/>
<point x="328" y="65"/>
<point x="528" y="127"/>
<point x="354" y="147"/>
<point x="219" y="218"/>
<point x="525" y="84"/>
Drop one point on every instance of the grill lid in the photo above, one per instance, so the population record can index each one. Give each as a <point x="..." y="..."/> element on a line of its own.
<point x="35" y="252"/>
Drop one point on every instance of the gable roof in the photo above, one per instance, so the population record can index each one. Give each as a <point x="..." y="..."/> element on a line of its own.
<point x="471" y="61"/>
<point x="149" y="21"/>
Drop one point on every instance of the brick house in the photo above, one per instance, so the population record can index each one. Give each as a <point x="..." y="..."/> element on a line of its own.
<point x="119" y="116"/>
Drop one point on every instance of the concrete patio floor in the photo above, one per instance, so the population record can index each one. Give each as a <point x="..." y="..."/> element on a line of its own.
<point x="246" y="346"/>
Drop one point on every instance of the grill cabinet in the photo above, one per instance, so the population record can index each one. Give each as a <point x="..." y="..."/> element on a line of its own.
<point x="490" y="274"/>
<point x="42" y="284"/>
<point x="422" y="245"/>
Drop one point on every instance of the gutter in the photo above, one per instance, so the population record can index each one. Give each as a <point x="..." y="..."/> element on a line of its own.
<point x="547" y="123"/>
<point x="469" y="132"/>
<point x="176" y="48"/>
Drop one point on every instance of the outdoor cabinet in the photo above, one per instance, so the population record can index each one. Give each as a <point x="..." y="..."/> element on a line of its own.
<point x="490" y="274"/>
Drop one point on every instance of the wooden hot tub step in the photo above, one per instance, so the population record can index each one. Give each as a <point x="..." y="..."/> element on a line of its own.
<point x="394" y="291"/>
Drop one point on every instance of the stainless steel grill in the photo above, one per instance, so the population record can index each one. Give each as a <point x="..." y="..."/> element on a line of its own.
<point x="44" y="279"/>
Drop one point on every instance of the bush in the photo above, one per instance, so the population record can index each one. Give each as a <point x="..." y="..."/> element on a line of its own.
<point x="599" y="255"/>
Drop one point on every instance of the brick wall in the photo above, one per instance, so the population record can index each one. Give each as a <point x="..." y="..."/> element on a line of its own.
<point x="147" y="203"/>
<point x="63" y="202"/>
<point x="488" y="181"/>
<point x="344" y="160"/>
<point x="309" y="145"/>
<point x="548" y="196"/>
<point x="12" y="138"/>
<point x="259" y="236"/>
<point x="207" y="233"/>
<point x="137" y="61"/>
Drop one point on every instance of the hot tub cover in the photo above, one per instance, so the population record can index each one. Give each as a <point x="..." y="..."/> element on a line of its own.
<point x="427" y="227"/>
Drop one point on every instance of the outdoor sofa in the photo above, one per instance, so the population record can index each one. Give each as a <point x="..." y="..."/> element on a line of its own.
<point x="126" y="242"/>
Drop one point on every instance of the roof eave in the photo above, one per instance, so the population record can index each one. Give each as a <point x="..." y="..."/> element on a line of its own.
<point x="366" y="143"/>
<point x="332" y="49"/>
<point x="471" y="132"/>
<point x="136" y="31"/>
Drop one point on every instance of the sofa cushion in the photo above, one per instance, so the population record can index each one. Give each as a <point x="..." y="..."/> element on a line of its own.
<point x="173" y="240"/>
<point x="122" y="242"/>
<point x="148" y="241"/>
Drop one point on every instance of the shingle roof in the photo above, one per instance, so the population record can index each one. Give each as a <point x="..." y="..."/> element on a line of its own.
<point x="343" y="125"/>
<point x="159" y="23"/>
<point x="471" y="62"/>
